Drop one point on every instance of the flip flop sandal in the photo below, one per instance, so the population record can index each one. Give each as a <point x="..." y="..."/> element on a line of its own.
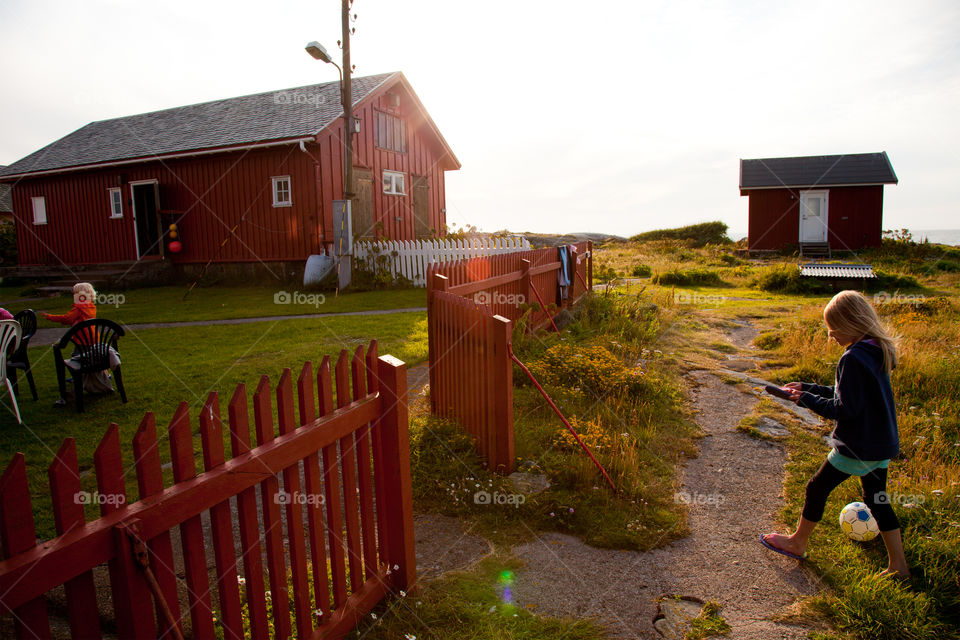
<point x="789" y="554"/>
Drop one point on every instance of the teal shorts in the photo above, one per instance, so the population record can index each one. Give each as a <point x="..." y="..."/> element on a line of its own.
<point x="853" y="466"/>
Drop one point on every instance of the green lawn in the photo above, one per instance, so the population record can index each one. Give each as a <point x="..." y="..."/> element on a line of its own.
<point x="162" y="367"/>
<point x="165" y="304"/>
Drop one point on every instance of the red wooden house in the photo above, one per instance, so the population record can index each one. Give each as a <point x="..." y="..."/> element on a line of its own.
<point x="246" y="180"/>
<point x="816" y="202"/>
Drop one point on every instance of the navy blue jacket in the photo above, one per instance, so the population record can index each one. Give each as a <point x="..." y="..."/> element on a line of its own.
<point x="861" y="402"/>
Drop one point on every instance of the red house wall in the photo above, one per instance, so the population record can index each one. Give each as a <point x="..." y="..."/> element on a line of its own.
<point x="854" y="217"/>
<point x="211" y="192"/>
<point x="424" y="157"/>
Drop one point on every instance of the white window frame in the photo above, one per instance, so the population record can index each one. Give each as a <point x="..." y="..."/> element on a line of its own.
<point x="114" y="213"/>
<point x="39" y="205"/>
<point x="394" y="183"/>
<point x="277" y="202"/>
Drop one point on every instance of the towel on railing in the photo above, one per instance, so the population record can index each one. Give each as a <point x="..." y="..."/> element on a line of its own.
<point x="563" y="273"/>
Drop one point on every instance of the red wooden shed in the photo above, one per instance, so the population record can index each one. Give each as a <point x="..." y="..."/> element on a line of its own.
<point x="819" y="203"/>
<point x="250" y="179"/>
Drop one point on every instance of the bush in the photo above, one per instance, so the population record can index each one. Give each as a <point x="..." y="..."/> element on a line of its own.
<point x="689" y="278"/>
<point x="696" y="235"/>
<point x="8" y="244"/>
<point x="642" y="271"/>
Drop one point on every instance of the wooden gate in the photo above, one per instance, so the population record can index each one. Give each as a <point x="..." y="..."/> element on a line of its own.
<point x="334" y="485"/>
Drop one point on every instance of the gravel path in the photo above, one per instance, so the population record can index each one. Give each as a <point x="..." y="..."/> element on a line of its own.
<point x="733" y="489"/>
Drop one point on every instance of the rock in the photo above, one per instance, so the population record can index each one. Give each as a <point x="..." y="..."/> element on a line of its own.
<point x="674" y="615"/>
<point x="529" y="483"/>
<point x="771" y="427"/>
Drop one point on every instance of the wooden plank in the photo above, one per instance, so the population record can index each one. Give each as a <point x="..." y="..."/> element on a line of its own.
<point x="348" y="470"/>
<point x="270" y="506"/>
<point x="312" y="480"/>
<point x="191" y="529"/>
<point x="331" y="485"/>
<point x="247" y="520"/>
<point x="502" y="331"/>
<point x="368" y="524"/>
<point x="52" y="562"/>
<point x="346" y="617"/>
<point x="132" y="600"/>
<point x="150" y="482"/>
<point x="17" y="534"/>
<point x="294" y="513"/>
<point x="221" y="529"/>
<point x="68" y="514"/>
<point x="373" y="386"/>
<point x="400" y="553"/>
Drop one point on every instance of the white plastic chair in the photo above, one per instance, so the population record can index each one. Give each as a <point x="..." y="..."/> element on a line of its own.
<point x="10" y="331"/>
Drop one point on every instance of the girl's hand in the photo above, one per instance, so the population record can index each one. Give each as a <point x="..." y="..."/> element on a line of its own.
<point x="794" y="385"/>
<point x="794" y="392"/>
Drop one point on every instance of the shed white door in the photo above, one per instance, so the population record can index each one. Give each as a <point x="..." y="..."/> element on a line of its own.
<point x="813" y="216"/>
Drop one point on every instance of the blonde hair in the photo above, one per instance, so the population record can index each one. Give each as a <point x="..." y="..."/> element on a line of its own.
<point x="87" y="290"/>
<point x="852" y="314"/>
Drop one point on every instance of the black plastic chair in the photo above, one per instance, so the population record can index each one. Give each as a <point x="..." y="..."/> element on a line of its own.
<point x="18" y="359"/>
<point x="92" y="340"/>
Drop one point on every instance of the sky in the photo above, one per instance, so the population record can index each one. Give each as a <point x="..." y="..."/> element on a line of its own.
<point x="614" y="117"/>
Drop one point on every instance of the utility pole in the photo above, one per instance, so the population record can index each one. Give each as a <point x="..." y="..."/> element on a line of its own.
<point x="346" y="98"/>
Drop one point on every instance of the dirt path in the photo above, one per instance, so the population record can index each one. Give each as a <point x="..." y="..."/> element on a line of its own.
<point x="733" y="490"/>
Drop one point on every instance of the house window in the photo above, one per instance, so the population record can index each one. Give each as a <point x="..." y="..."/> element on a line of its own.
<point x="39" y="210"/>
<point x="116" y="202"/>
<point x="390" y="132"/>
<point x="281" y="191"/>
<point x="393" y="183"/>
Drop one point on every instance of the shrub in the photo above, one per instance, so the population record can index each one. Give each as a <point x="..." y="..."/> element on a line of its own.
<point x="641" y="271"/>
<point x="696" y="235"/>
<point x="593" y="370"/>
<point x="8" y="244"/>
<point x="689" y="278"/>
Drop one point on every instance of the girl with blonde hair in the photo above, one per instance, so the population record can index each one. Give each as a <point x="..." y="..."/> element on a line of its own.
<point x="865" y="437"/>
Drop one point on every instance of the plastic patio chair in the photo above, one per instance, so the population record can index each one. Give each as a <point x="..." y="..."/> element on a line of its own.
<point x="18" y="357"/>
<point x="92" y="340"/>
<point x="9" y="335"/>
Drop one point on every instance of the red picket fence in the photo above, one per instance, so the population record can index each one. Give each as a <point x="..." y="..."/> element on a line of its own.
<point x="508" y="281"/>
<point x="471" y="307"/>
<point x="351" y="457"/>
<point x="474" y="375"/>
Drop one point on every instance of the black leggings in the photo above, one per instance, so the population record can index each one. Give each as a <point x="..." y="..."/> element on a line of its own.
<point x="874" y="494"/>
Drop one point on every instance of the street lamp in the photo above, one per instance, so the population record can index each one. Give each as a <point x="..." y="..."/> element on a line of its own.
<point x="319" y="52"/>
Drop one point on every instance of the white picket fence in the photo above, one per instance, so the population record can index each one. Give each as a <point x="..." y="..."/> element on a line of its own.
<point x="410" y="258"/>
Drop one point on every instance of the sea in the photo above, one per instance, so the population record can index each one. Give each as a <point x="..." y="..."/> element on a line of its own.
<point x="940" y="236"/>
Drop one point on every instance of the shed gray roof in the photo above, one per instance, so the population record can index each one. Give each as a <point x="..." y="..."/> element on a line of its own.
<point x="261" y="117"/>
<point x="817" y="171"/>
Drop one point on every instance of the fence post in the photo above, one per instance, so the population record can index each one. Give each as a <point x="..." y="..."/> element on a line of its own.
<point x="398" y="501"/>
<point x="502" y="400"/>
<point x="437" y="283"/>
<point x="590" y="265"/>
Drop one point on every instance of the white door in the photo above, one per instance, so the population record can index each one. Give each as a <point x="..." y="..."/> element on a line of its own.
<point x="813" y="216"/>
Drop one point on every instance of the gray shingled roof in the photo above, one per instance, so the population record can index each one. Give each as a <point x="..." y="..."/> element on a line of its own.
<point x="275" y="115"/>
<point x="817" y="171"/>
<point x="6" y="198"/>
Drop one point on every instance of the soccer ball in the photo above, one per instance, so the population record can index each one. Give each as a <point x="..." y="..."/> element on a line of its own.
<point x="858" y="523"/>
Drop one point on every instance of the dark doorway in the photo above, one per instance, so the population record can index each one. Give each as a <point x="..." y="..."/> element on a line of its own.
<point x="145" y="205"/>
